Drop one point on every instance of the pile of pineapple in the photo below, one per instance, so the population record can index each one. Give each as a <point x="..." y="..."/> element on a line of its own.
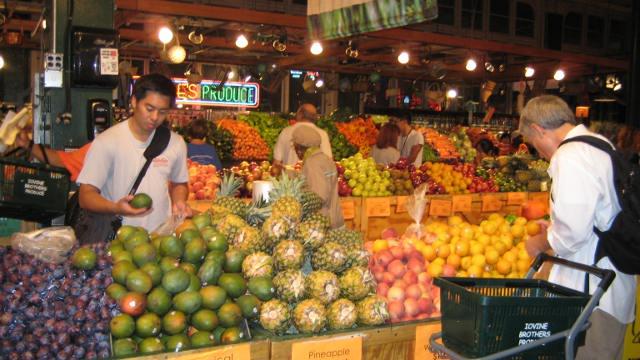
<point x="319" y="276"/>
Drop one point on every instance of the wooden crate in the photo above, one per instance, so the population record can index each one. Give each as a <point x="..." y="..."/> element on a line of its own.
<point x="389" y="342"/>
<point x="258" y="350"/>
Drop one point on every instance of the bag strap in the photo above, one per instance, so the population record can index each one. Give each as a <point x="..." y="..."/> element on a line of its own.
<point x="157" y="145"/>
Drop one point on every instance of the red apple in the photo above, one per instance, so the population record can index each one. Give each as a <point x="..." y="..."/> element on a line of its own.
<point x="382" y="289"/>
<point x="389" y="233"/>
<point x="425" y="305"/>
<point x="399" y="283"/>
<point x="448" y="270"/>
<point x="415" y="265"/>
<point x="388" y="277"/>
<point x="397" y="252"/>
<point x="410" y="277"/>
<point x="424" y="278"/>
<point x="383" y="258"/>
<point x="396" y="310"/>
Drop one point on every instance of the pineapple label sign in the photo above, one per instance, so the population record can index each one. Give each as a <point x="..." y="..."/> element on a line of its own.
<point x="213" y="93"/>
<point x="345" y="348"/>
<point x="236" y="352"/>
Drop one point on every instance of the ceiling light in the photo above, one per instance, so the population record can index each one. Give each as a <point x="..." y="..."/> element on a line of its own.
<point x="247" y="78"/>
<point x="165" y="35"/>
<point x="1" y="62"/>
<point x="176" y="54"/>
<point x="44" y="24"/>
<point x="403" y="58"/>
<point x="279" y="45"/>
<point x="502" y="67"/>
<point x="241" y="41"/>
<point x="471" y="65"/>
<point x="617" y="87"/>
<point x="231" y="74"/>
<point x="559" y="75"/>
<point x="489" y="66"/>
<point x="529" y="71"/>
<point x="316" y="48"/>
<point x="319" y="83"/>
<point x="352" y="51"/>
<point x="452" y="93"/>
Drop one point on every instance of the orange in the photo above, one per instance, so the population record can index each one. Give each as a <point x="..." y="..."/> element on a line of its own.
<point x="455" y="220"/>
<point x="429" y="253"/>
<point x="380" y="245"/>
<point x="490" y="227"/>
<point x="520" y="221"/>
<point x="462" y="273"/>
<point x="434" y="269"/>
<point x="476" y="248"/>
<point x="444" y="251"/>
<point x="454" y="260"/>
<point x="466" y="233"/>
<point x="484" y="240"/>
<point x="462" y="248"/>
<point x="465" y="262"/>
<point x="533" y="228"/>
<point x="439" y="261"/>
<point x="522" y="265"/>
<point x="492" y="256"/>
<point x="478" y="260"/>
<point x="503" y="267"/>
<point x="523" y="255"/>
<point x="517" y="231"/>
<point x="510" y="257"/>
<point x="507" y="239"/>
<point x="475" y="271"/>
<point x="500" y="247"/>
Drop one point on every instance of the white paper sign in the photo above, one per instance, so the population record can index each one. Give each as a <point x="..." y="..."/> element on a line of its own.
<point x="108" y="61"/>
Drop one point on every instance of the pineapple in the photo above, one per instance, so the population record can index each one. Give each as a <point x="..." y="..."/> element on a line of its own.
<point x="356" y="283"/>
<point x="350" y="239"/>
<point x="341" y="314"/>
<point x="277" y="228"/>
<point x="310" y="316"/>
<point x="311" y="203"/>
<point x="311" y="233"/>
<point x="330" y="257"/>
<point x="318" y="221"/>
<point x="229" y="225"/>
<point x="372" y="310"/>
<point x="257" y="264"/>
<point x="290" y="285"/>
<point x="229" y="188"/>
<point x="250" y="240"/>
<point x="275" y="316"/>
<point x="257" y="213"/>
<point x="322" y="285"/>
<point x="357" y="257"/>
<point x="285" y="197"/>
<point x="288" y="254"/>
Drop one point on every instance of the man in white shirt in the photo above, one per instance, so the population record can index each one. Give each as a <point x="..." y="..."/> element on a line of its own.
<point x="410" y="141"/>
<point x="116" y="157"/>
<point x="284" y="153"/>
<point x="582" y="196"/>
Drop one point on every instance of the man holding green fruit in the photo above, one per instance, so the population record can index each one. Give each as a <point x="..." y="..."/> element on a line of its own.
<point x="116" y="157"/>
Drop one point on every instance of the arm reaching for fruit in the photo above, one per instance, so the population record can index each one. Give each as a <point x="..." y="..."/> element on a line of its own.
<point x="415" y="150"/>
<point x="91" y="199"/>
<point x="538" y="243"/>
<point x="179" y="194"/>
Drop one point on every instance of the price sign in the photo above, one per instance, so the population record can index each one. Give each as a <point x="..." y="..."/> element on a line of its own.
<point x="491" y="203"/>
<point x="440" y="207"/>
<point x="378" y="207"/>
<point x="401" y="204"/>
<point x="461" y="203"/>
<point x="540" y="196"/>
<point x="423" y="349"/>
<point x="516" y="198"/>
<point x="348" y="209"/>
<point x="235" y="352"/>
<point x="347" y="348"/>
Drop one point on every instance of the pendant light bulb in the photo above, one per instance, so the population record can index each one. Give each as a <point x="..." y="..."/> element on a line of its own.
<point x="471" y="65"/>
<point x="559" y="75"/>
<point x="403" y="58"/>
<point x="316" y="48"/>
<point x="529" y="71"/>
<point x="165" y="35"/>
<point x="241" y="41"/>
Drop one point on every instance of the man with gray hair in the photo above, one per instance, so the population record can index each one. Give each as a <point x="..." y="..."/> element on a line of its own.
<point x="283" y="151"/>
<point x="583" y="196"/>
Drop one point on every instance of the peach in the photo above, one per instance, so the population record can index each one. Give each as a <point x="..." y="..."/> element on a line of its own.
<point x="383" y="258"/>
<point x="396" y="310"/>
<point x="382" y="289"/>
<point x="388" y="278"/>
<point x="411" y="307"/>
<point x="395" y="294"/>
<point x="400" y="283"/>
<point x="410" y="277"/>
<point x="448" y="270"/>
<point x="415" y="265"/>
<point x="425" y="305"/>
<point x="413" y="291"/>
<point x="397" y="252"/>
<point x="397" y="268"/>
<point x="389" y="233"/>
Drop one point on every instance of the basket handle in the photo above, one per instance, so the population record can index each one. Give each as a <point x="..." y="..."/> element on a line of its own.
<point x="606" y="276"/>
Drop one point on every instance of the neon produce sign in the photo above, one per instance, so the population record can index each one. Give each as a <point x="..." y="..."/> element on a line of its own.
<point x="210" y="93"/>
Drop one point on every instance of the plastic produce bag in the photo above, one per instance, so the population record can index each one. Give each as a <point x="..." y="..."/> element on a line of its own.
<point x="51" y="244"/>
<point x="169" y="226"/>
<point x="416" y="205"/>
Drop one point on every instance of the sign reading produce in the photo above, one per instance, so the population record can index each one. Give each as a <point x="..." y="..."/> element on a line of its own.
<point x="211" y="93"/>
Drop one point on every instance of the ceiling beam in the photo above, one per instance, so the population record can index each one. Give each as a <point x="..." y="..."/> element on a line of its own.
<point x="170" y="8"/>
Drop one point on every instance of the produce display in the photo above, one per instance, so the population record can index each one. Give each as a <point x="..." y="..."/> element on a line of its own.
<point x="361" y="133"/>
<point x="463" y="144"/>
<point x="340" y="147"/>
<point x="440" y="143"/>
<point x="203" y="181"/>
<point x="250" y="172"/>
<point x="177" y="291"/>
<point x="247" y="142"/>
<point x="516" y="173"/>
<point x="50" y="311"/>
<point x="363" y="177"/>
<point x="268" y="125"/>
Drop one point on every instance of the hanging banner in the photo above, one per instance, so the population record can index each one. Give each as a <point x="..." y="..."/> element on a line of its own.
<point x="343" y="18"/>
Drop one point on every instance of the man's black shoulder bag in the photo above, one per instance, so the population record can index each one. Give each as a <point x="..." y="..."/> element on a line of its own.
<point x="91" y="227"/>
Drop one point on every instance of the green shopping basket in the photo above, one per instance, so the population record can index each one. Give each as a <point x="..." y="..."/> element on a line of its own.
<point x="515" y="318"/>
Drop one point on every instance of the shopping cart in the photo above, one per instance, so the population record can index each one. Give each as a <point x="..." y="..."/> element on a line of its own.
<point x="515" y="318"/>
